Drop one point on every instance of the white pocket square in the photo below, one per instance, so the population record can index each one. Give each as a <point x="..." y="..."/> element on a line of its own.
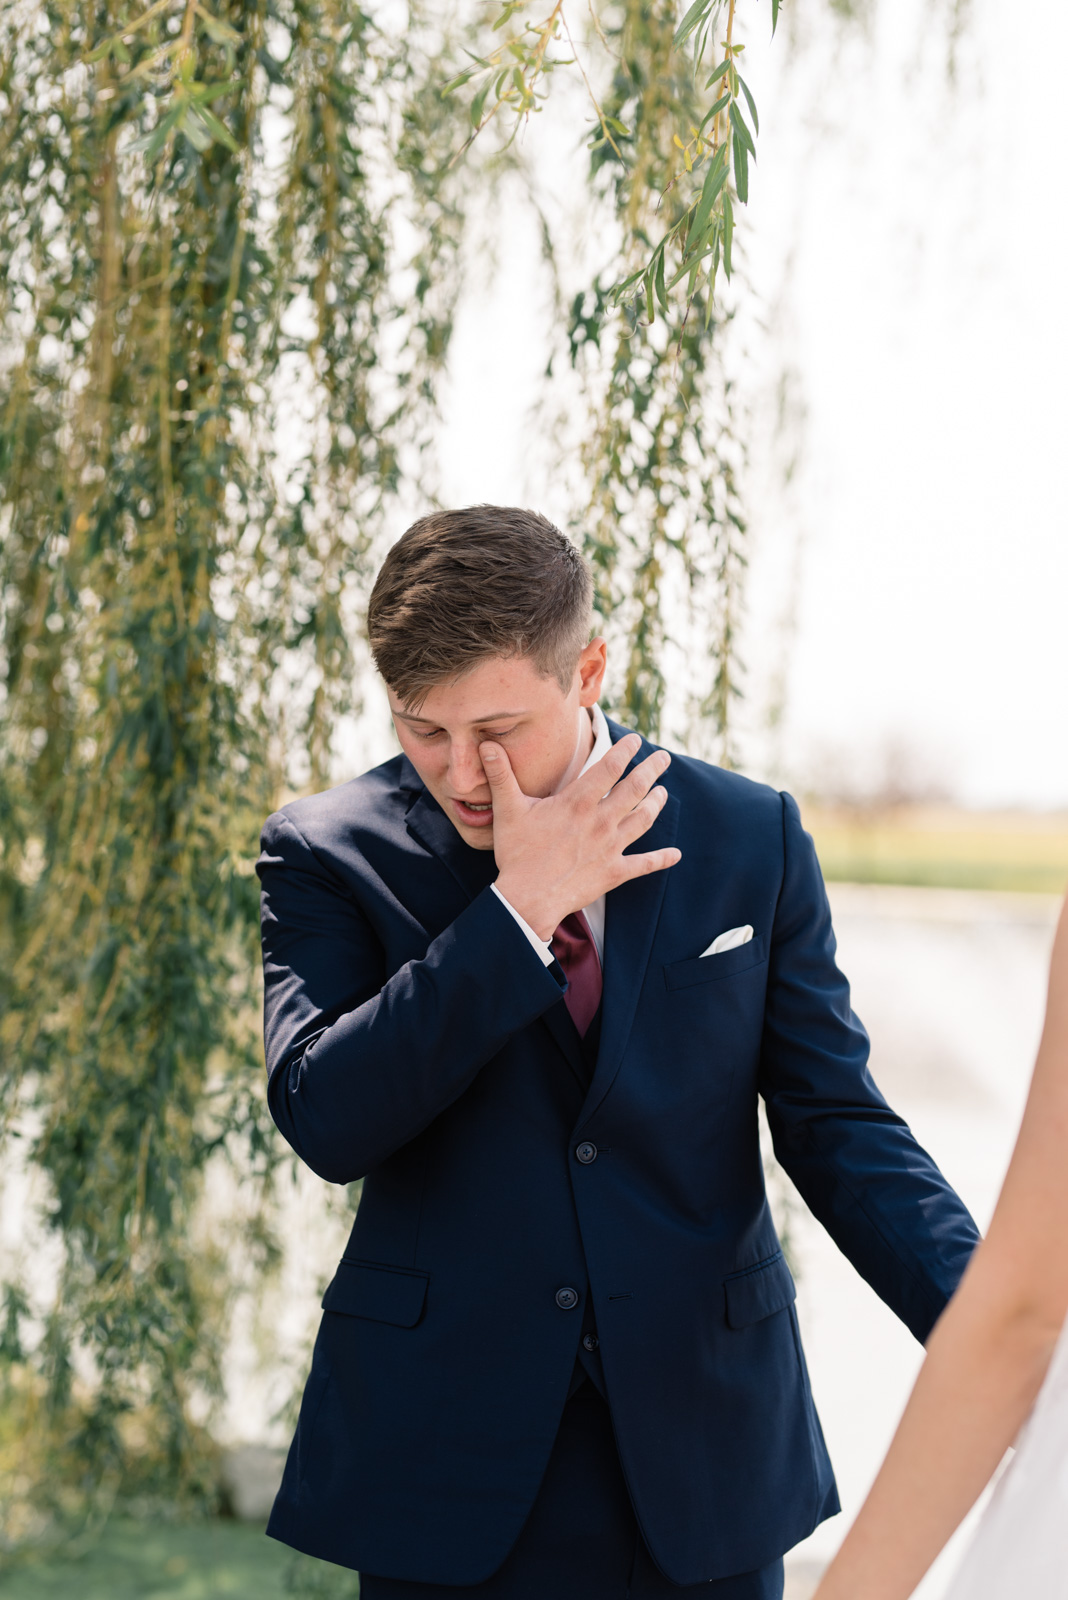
<point x="728" y="941"/>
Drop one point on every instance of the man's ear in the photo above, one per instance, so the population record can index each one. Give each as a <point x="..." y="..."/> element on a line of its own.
<point x="591" y="669"/>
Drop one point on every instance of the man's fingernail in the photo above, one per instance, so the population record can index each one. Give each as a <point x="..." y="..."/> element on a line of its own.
<point x="489" y="753"/>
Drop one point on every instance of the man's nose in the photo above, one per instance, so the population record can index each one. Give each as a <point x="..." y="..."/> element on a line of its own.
<point x="466" y="772"/>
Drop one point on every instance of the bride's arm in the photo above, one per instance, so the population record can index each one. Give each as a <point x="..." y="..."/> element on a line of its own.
<point x="988" y="1354"/>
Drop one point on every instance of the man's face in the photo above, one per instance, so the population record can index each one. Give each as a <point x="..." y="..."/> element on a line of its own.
<point x="545" y="731"/>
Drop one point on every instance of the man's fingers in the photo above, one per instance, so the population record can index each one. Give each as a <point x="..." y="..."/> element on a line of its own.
<point x="642" y="816"/>
<point x="604" y="774"/>
<point x="654" y="861"/>
<point x="633" y="790"/>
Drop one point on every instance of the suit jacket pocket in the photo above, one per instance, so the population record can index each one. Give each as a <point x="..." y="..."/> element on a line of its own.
<point x="704" y="969"/>
<point x="381" y="1294"/>
<point x="759" y="1291"/>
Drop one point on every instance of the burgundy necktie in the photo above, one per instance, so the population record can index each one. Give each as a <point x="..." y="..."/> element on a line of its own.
<point x="573" y="947"/>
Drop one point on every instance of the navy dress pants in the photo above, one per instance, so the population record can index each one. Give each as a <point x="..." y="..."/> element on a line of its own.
<point x="581" y="1540"/>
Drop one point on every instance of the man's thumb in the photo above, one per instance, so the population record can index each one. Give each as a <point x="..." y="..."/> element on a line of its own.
<point x="498" y="770"/>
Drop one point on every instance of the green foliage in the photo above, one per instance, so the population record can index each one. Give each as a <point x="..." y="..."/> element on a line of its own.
<point x="191" y="228"/>
<point x="222" y="367"/>
<point x="709" y="141"/>
<point x="668" y="160"/>
<point x="661" y="456"/>
<point x="228" y="270"/>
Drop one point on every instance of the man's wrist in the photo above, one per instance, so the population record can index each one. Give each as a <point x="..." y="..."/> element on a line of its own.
<point x="543" y="947"/>
<point x="532" y="908"/>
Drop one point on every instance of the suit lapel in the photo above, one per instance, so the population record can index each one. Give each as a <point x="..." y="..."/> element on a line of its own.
<point x="566" y="1036"/>
<point x="631" y="915"/>
<point x="472" y="869"/>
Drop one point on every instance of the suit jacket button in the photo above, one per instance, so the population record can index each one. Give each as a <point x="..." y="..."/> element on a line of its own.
<point x="586" y="1153"/>
<point x="590" y="1342"/>
<point x="567" y="1299"/>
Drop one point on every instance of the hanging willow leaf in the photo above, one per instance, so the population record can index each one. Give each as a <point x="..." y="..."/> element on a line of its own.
<point x="213" y="127"/>
<point x="460" y="79"/>
<point x="217" y="29"/>
<point x="718" y="72"/>
<point x="478" y="105"/>
<point x="715" y="178"/>
<point x="741" y="166"/>
<point x="750" y="102"/>
<point x="692" y="21"/>
<point x="738" y="122"/>
<point x="714" y="110"/>
<point x="728" y="233"/>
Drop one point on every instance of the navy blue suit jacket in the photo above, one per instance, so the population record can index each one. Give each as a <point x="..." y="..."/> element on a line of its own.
<point x="415" y="1040"/>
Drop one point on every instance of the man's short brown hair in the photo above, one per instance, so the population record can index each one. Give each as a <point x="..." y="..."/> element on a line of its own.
<point x="462" y="586"/>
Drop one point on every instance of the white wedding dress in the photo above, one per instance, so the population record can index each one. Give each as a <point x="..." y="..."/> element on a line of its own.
<point x="1020" y="1548"/>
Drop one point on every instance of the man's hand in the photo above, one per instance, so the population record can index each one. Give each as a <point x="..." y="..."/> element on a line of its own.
<point x="556" y="855"/>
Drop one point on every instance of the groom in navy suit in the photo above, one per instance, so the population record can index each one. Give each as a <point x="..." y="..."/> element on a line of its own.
<point x="527" y="980"/>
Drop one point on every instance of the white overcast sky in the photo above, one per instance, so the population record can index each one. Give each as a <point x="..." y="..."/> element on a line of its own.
<point x="906" y="241"/>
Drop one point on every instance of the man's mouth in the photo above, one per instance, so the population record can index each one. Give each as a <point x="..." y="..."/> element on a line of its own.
<point x="475" y="814"/>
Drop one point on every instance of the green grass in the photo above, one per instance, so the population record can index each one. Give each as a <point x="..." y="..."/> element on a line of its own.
<point x="178" y="1561"/>
<point x="942" y="848"/>
<point x="1007" y="878"/>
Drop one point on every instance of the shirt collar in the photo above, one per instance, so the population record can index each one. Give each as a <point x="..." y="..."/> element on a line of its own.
<point x="602" y="739"/>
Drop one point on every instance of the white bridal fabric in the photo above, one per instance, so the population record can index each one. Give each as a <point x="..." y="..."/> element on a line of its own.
<point x="1020" y="1548"/>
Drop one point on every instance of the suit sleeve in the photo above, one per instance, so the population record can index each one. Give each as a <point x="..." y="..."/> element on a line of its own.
<point x="359" y="1064"/>
<point x="856" y="1164"/>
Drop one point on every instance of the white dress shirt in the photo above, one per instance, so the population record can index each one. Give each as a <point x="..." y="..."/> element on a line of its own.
<point x="594" y="912"/>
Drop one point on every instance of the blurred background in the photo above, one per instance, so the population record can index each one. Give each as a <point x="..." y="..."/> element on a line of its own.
<point x="885" y="418"/>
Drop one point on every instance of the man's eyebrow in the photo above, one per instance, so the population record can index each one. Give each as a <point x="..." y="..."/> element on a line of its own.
<point x="477" y="722"/>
